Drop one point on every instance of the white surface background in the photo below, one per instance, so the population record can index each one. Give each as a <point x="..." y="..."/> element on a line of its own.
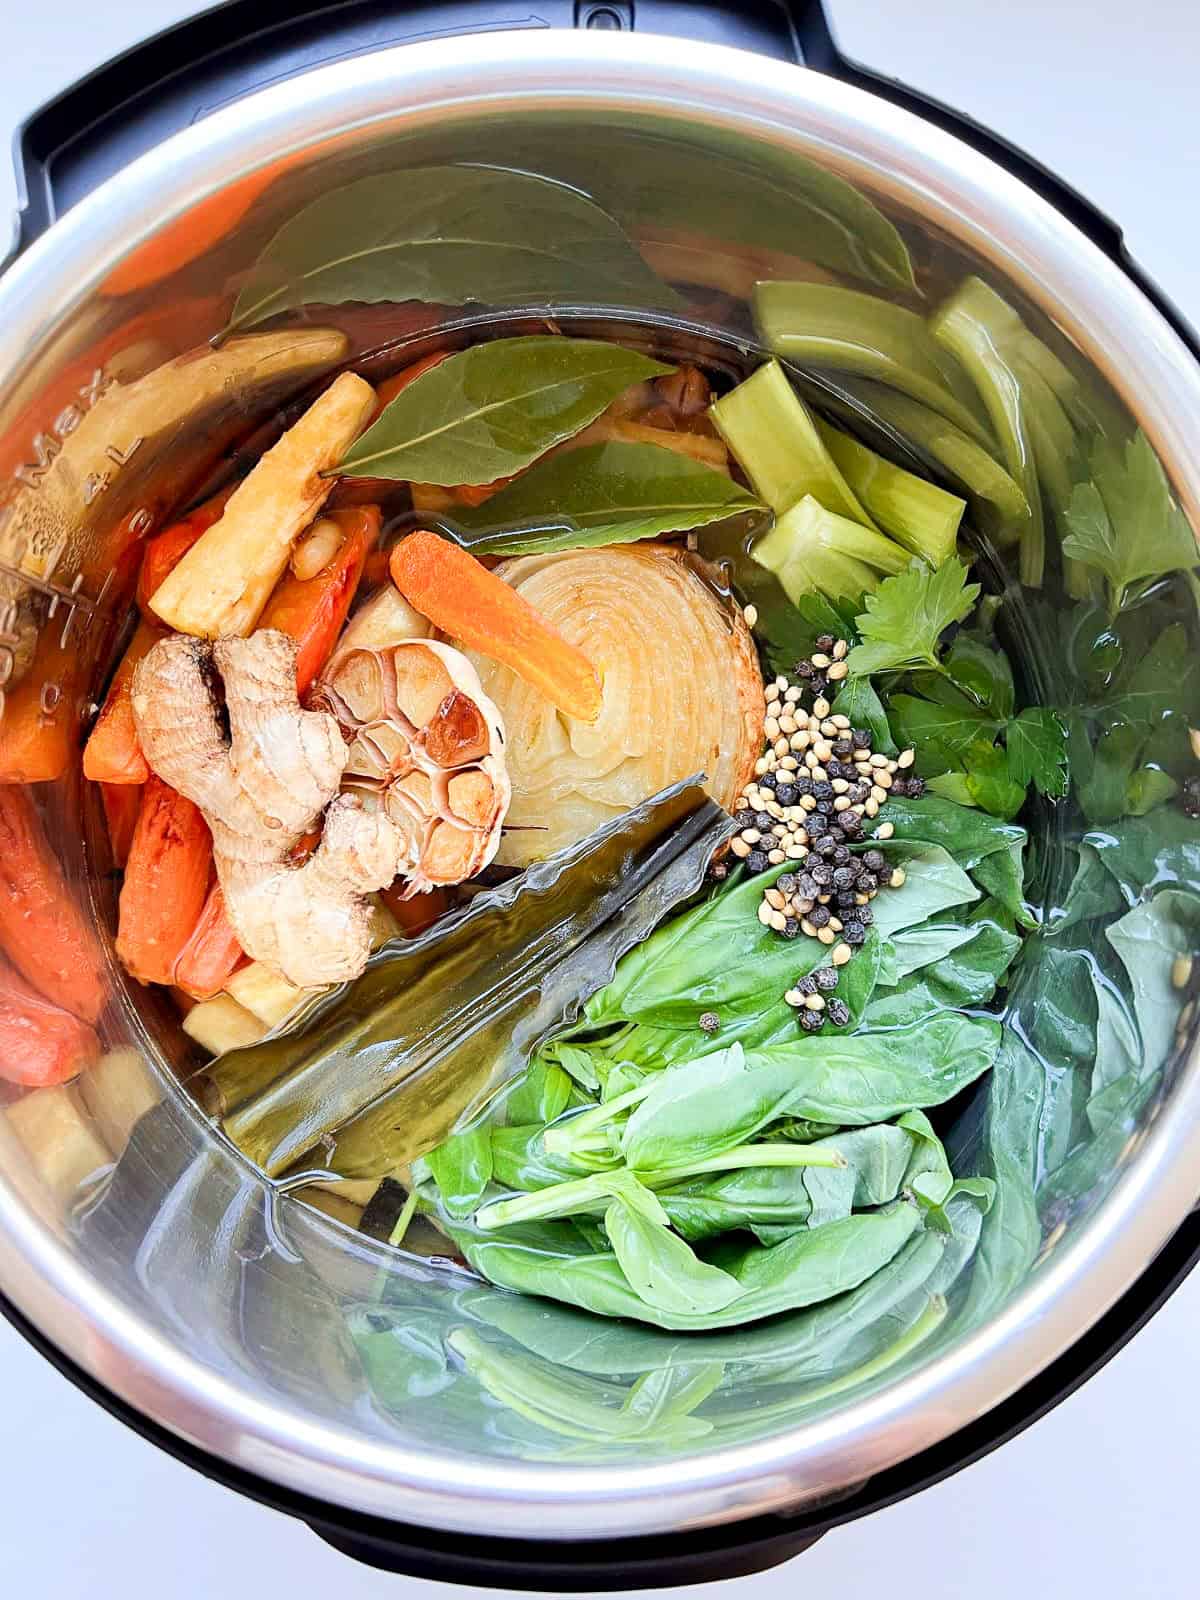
<point x="1095" y="1502"/>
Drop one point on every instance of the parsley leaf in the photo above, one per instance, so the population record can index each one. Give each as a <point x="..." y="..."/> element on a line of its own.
<point x="940" y="733"/>
<point x="1037" y="750"/>
<point x="991" y="782"/>
<point x="906" y="616"/>
<point x="1125" y="522"/>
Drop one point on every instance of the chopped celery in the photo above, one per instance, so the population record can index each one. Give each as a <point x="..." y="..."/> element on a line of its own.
<point x="917" y="514"/>
<point x="848" y="331"/>
<point x="973" y="325"/>
<point x="770" y="431"/>
<point x="810" y="548"/>
<point x="1001" y="506"/>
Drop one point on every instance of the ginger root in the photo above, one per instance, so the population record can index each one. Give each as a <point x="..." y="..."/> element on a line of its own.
<point x="261" y="789"/>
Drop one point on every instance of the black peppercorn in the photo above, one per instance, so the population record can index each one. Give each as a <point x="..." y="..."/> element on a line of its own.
<point x="786" y="883"/>
<point x="824" y="808"/>
<point x="867" y="882"/>
<point x="822" y="874"/>
<point x="802" y="784"/>
<point x="806" y="985"/>
<point x="826" y="845"/>
<point x="860" y="738"/>
<point x="845" y="900"/>
<point x="822" y="791"/>
<point x="767" y="781"/>
<point x="812" y="1021"/>
<point x="791" y="927"/>
<point x="843" y="878"/>
<point x="743" y="819"/>
<point x="854" y="933"/>
<point x="858" y="793"/>
<point x="819" y="683"/>
<point x="874" y="860"/>
<point x="819" y="916"/>
<point x="764" y="821"/>
<point x="1189" y="799"/>
<point x="843" y="748"/>
<point x="827" y="979"/>
<point x="838" y="1013"/>
<point x="899" y="787"/>
<point x="718" y="871"/>
<point x="851" y="824"/>
<point x="786" y="794"/>
<point x="916" y="788"/>
<point x="806" y="886"/>
<point x="757" y="861"/>
<point x="710" y="1022"/>
<point x="825" y="642"/>
<point x="865" y="915"/>
<point x="804" y="669"/>
<point x="841" y="855"/>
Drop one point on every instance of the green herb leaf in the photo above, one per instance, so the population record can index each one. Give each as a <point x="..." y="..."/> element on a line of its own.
<point x="1037" y="750"/>
<point x="858" y="701"/>
<point x="942" y="734"/>
<point x="990" y="781"/>
<point x="663" y="1269"/>
<point x="486" y="412"/>
<point x="1125" y="522"/>
<point x="1148" y="939"/>
<point x="951" y="786"/>
<point x="965" y="976"/>
<point x="462" y="1169"/>
<point x="982" y="673"/>
<point x="933" y="882"/>
<point x="906" y="616"/>
<point x="448" y="235"/>
<point x="602" y="494"/>
<point x="967" y="835"/>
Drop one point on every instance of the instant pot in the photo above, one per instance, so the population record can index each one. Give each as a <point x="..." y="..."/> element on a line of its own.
<point x="223" y="1316"/>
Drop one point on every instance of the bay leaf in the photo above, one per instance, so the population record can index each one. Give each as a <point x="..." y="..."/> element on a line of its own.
<point x="448" y="235"/>
<point x="600" y="494"/>
<point x="486" y="412"/>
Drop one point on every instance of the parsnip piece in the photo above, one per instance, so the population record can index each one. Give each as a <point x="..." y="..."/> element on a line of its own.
<point x="265" y="994"/>
<point x="118" y="1091"/>
<point x="221" y="1024"/>
<point x="61" y="1139"/>
<point x="222" y="584"/>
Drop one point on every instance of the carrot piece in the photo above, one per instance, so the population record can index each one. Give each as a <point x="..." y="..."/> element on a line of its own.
<point x="212" y="953"/>
<point x="167" y="549"/>
<point x="42" y="930"/>
<point x="166" y="884"/>
<point x="387" y="391"/>
<point x="313" y="610"/>
<point x="122" y="802"/>
<point x="112" y="753"/>
<point x="462" y="598"/>
<point x="40" y="1043"/>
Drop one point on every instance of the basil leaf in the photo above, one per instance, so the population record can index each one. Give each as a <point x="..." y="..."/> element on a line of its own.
<point x="966" y="976"/>
<point x="602" y="494"/>
<point x="486" y="412"/>
<point x="448" y="235"/>
<point x="1147" y="939"/>
<point x="1144" y="853"/>
<point x="932" y="941"/>
<point x="663" y="1269"/>
<point x="877" y="1159"/>
<point x="1002" y="875"/>
<point x="967" y="835"/>
<point x="462" y="1169"/>
<point x="858" y="701"/>
<point x="933" y="881"/>
<point x="540" y="1094"/>
<point x="771" y="1201"/>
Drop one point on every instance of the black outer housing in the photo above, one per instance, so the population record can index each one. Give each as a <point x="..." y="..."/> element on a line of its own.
<point x="93" y="130"/>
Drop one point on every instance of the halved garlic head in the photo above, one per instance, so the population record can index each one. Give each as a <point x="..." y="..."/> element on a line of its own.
<point x="427" y="741"/>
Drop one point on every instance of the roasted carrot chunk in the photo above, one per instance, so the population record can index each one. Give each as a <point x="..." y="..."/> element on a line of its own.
<point x="40" y="1043"/>
<point x="212" y="953"/>
<point x="122" y="802"/>
<point x="112" y="753"/>
<point x="474" y="606"/>
<point x="312" y="610"/>
<point x="43" y="932"/>
<point x="167" y="880"/>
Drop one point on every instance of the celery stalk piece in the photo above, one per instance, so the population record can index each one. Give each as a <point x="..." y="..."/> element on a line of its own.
<point x="917" y="514"/>
<point x="843" y="329"/>
<point x="771" y="432"/>
<point x="972" y="324"/>
<point x="1000" y="505"/>
<point x="810" y="548"/>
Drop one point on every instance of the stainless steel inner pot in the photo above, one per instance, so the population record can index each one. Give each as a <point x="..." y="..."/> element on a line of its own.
<point x="188" y="1289"/>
